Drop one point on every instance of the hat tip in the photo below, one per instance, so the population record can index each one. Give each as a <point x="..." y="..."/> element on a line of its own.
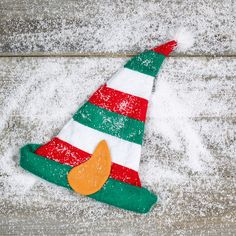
<point x="166" y="48"/>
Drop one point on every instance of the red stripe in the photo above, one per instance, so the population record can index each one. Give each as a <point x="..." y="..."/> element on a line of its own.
<point x="65" y="153"/>
<point x="166" y="48"/>
<point x="125" y="174"/>
<point x="121" y="103"/>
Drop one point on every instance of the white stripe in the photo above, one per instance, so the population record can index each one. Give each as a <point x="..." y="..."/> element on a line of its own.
<point x="122" y="152"/>
<point x="132" y="82"/>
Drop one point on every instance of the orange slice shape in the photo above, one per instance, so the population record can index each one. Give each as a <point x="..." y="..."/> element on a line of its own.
<point x="89" y="177"/>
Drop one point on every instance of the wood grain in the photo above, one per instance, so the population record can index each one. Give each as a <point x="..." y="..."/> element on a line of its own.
<point x="54" y="54"/>
<point x="38" y="96"/>
<point x="55" y="216"/>
<point x="84" y="27"/>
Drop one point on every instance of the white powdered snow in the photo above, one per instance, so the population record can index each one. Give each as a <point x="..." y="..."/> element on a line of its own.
<point x="187" y="156"/>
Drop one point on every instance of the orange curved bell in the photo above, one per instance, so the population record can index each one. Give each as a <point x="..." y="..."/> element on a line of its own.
<point x="89" y="177"/>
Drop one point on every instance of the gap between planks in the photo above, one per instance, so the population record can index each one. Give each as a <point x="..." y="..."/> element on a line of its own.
<point x="112" y="55"/>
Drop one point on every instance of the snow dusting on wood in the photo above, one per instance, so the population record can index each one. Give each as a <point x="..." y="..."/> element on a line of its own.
<point x="189" y="149"/>
<point x="114" y="26"/>
<point x="188" y="156"/>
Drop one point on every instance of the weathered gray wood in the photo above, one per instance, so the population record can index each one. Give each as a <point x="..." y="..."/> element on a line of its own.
<point x="113" y="26"/>
<point x="64" y="212"/>
<point x="37" y="97"/>
<point x="205" y="86"/>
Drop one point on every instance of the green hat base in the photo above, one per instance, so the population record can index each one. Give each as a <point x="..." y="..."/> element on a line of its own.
<point x="113" y="192"/>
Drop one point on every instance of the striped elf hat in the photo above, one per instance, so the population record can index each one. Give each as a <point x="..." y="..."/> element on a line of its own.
<point x="97" y="153"/>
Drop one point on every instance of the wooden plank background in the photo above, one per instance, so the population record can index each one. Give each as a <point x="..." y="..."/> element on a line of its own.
<point x="88" y="27"/>
<point x="54" y="54"/>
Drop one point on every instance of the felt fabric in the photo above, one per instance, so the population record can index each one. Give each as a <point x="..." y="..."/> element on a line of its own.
<point x="111" y="123"/>
<point x="65" y="153"/>
<point x="116" y="112"/>
<point x="125" y="175"/>
<point x="89" y="177"/>
<point x="113" y="192"/>
<point x="132" y="82"/>
<point x="166" y="48"/>
<point x="148" y="62"/>
<point x="122" y="103"/>
<point x="123" y="152"/>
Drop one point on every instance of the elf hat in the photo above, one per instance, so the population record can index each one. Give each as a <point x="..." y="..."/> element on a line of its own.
<point x="97" y="153"/>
